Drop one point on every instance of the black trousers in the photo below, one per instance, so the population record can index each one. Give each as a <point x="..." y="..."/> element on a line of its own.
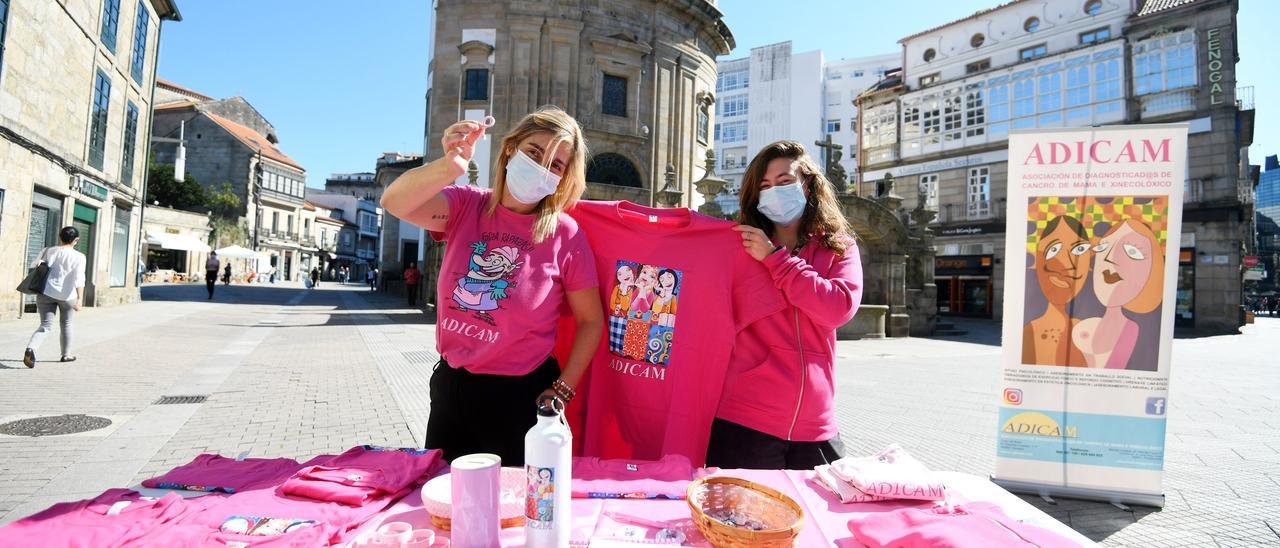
<point x="413" y="293"/>
<point x="473" y="413"/>
<point x="736" y="446"/>
<point x="211" y="280"/>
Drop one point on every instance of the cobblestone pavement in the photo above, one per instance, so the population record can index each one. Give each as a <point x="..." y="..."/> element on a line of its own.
<point x="294" y="372"/>
<point x="938" y="399"/>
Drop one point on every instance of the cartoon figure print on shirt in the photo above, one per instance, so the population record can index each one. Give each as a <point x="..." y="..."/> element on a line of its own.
<point x="642" y="312"/>
<point x="487" y="280"/>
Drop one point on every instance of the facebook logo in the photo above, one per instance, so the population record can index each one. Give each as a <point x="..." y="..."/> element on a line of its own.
<point x="1155" y="406"/>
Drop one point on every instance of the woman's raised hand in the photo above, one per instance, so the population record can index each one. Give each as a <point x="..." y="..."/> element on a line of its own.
<point x="459" y="143"/>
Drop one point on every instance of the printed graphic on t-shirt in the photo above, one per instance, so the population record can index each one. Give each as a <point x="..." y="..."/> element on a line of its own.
<point x="409" y="450"/>
<point x="488" y="278"/>
<point x="642" y="311"/>
<point x="263" y="527"/>
<point x="539" y="502"/>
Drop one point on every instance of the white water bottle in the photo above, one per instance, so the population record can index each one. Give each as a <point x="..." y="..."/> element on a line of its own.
<point x="548" y="455"/>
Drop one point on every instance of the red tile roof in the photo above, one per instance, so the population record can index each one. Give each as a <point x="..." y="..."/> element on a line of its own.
<point x="188" y="91"/>
<point x="1156" y="6"/>
<point x="175" y="105"/>
<point x="254" y="140"/>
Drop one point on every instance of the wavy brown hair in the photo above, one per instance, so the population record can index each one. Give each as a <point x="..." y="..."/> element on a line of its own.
<point x="573" y="182"/>
<point x="822" y="217"/>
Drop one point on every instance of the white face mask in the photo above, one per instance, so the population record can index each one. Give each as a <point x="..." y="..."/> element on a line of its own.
<point x="528" y="181"/>
<point x="782" y="204"/>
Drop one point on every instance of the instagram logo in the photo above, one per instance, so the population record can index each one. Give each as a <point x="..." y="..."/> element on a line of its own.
<point x="1013" y="396"/>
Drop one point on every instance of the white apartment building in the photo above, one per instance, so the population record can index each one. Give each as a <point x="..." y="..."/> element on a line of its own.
<point x="774" y="94"/>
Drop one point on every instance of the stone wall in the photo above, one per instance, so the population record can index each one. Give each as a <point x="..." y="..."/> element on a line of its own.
<point x="559" y="52"/>
<point x="240" y="111"/>
<point x="46" y="92"/>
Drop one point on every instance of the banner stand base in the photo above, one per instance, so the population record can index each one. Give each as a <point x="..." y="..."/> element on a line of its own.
<point x="1082" y="493"/>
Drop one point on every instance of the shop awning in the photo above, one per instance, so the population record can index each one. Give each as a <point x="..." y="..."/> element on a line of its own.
<point x="179" y="242"/>
<point x="237" y="252"/>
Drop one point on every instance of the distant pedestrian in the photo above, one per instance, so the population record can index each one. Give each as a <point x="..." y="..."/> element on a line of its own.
<point x="226" y="275"/>
<point x="411" y="278"/>
<point x="63" y="290"/>
<point x="372" y="278"/>
<point x="315" y="277"/>
<point x="211" y="268"/>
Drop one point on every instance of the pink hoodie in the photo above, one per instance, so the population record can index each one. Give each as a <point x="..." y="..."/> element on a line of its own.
<point x="780" y="380"/>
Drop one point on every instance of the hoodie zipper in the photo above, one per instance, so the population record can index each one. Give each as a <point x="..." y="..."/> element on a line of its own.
<point x="804" y="376"/>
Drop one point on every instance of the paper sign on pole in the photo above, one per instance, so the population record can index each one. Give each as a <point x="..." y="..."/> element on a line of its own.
<point x="1095" y="214"/>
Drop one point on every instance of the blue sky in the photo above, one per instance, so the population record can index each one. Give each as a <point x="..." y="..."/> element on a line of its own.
<point x="344" y="85"/>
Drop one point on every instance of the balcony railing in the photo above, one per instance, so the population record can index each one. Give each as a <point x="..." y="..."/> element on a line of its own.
<point x="1244" y="98"/>
<point x="366" y="253"/>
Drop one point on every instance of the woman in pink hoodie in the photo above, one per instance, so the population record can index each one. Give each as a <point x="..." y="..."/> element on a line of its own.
<point x="778" y="406"/>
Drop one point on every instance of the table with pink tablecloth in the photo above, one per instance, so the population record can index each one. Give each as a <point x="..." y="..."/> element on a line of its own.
<point x="826" y="518"/>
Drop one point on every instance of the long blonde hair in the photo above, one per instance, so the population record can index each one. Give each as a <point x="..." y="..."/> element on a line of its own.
<point x="573" y="181"/>
<point x="822" y="216"/>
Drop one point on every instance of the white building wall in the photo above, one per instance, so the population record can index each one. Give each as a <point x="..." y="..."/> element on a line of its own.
<point x="845" y="80"/>
<point x="1060" y="24"/>
<point x="807" y="100"/>
<point x="787" y="97"/>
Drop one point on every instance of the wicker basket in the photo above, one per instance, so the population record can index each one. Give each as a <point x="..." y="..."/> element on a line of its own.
<point x="770" y="518"/>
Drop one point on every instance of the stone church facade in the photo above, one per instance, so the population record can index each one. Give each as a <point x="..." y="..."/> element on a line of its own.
<point x="639" y="75"/>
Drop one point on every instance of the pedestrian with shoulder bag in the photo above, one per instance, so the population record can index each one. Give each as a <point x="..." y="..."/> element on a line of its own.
<point x="60" y="293"/>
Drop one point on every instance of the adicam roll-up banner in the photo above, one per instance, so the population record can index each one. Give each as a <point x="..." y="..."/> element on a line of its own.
<point x="1095" y="214"/>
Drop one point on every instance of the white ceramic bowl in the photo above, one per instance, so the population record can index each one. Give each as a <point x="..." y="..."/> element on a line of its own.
<point x="438" y="493"/>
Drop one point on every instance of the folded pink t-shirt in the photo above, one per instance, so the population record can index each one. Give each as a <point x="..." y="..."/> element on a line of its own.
<point x="364" y="473"/>
<point x="842" y="489"/>
<point x="191" y="535"/>
<point x="973" y="525"/>
<point x="216" y="473"/>
<point x="891" y="473"/>
<point x="668" y="478"/>
<point x="90" y="523"/>
<point x="340" y="521"/>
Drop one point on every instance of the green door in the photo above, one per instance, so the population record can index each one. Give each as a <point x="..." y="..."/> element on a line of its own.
<point x="84" y="219"/>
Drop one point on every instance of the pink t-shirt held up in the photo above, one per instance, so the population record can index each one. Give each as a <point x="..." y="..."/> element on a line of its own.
<point x="500" y="293"/>
<point x="677" y="287"/>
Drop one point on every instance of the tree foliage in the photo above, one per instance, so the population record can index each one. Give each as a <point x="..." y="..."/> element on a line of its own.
<point x="223" y="202"/>
<point x="163" y="189"/>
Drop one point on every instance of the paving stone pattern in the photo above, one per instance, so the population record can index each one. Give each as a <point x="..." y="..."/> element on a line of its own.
<point x="938" y="399"/>
<point x="294" y="372"/>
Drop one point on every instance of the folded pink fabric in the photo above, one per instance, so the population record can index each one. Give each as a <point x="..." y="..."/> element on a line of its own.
<point x="891" y="473"/>
<point x="668" y="478"/>
<point x="92" y="523"/>
<point x="216" y="473"/>
<point x="973" y="525"/>
<point x="842" y="489"/>
<point x="364" y="473"/>
<point x="193" y="535"/>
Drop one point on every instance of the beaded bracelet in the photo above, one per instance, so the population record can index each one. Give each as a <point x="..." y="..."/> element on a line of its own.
<point x="563" y="390"/>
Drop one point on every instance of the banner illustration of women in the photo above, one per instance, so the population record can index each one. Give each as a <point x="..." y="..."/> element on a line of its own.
<point x="1094" y="281"/>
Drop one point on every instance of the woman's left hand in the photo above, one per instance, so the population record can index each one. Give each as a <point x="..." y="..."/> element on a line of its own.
<point x="755" y="242"/>
<point x="549" y="393"/>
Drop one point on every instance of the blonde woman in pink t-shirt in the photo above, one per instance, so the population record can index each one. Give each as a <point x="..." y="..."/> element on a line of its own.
<point x="512" y="260"/>
<point x="778" y="406"/>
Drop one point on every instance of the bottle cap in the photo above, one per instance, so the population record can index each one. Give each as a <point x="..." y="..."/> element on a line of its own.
<point x="550" y="406"/>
